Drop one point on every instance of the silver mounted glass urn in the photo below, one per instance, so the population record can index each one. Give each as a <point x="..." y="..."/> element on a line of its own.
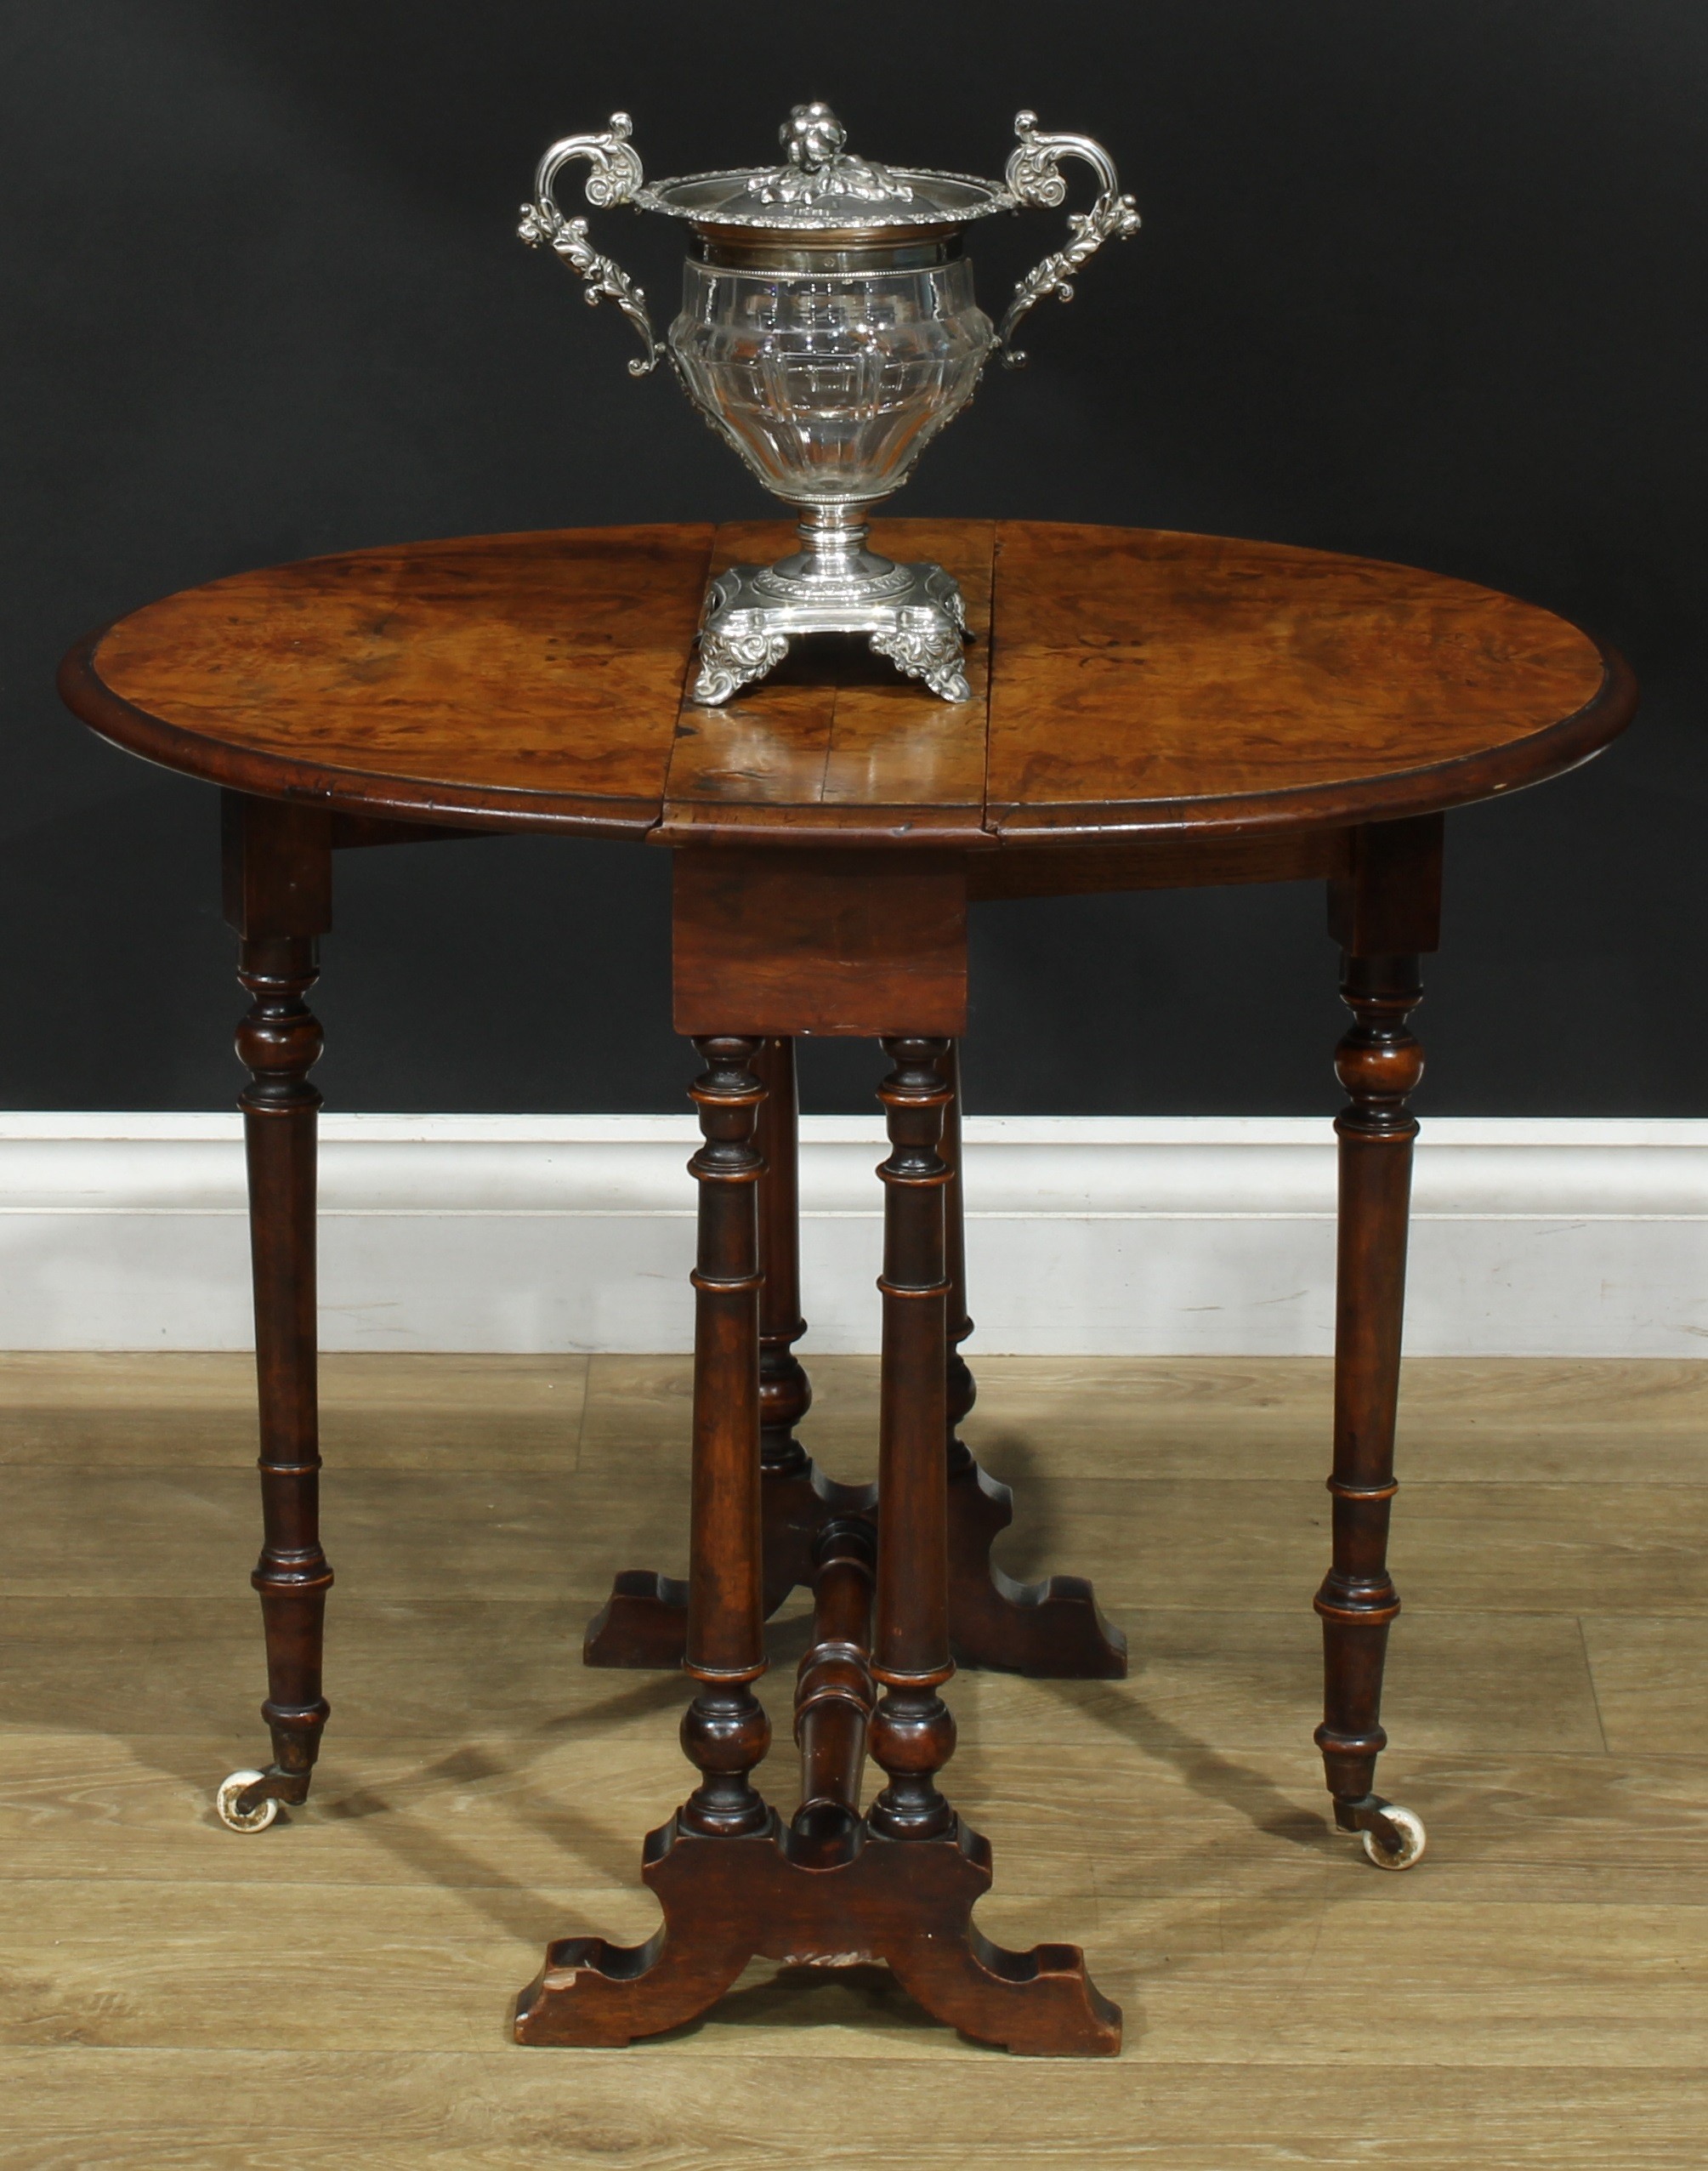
<point x="828" y="331"/>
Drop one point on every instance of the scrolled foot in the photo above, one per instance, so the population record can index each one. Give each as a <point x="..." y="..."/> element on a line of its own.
<point x="240" y="1808"/>
<point x="592" y="1995"/>
<point x="1039" y="2003"/>
<point x="729" y="662"/>
<point x="926" y="645"/>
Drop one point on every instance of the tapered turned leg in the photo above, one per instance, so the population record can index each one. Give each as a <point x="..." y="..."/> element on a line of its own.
<point x="1052" y="1628"/>
<point x="277" y="863"/>
<point x="1379" y="1063"/>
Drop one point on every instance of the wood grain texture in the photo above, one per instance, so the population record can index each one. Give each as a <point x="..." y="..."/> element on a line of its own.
<point x="377" y="1410"/>
<point x="1134" y="684"/>
<point x="853" y="945"/>
<point x="1152" y="681"/>
<point x="530" y="677"/>
<point x="402" y="2111"/>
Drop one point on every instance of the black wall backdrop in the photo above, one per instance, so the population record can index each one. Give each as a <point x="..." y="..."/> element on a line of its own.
<point x="1421" y="278"/>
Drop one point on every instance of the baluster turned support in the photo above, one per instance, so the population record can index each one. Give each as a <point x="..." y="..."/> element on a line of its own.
<point x="912" y="1730"/>
<point x="725" y="1731"/>
<point x="277" y="872"/>
<point x="1385" y="913"/>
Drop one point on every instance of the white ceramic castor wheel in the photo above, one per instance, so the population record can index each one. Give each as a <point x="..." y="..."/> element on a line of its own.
<point x="1410" y="1829"/>
<point x="225" y="1801"/>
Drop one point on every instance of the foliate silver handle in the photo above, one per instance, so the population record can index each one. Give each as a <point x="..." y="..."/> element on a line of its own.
<point x="614" y="177"/>
<point x="1033" y="175"/>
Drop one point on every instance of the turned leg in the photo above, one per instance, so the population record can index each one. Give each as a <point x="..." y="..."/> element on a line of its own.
<point x="1394" y="893"/>
<point x="277" y="881"/>
<point x="643" y="1623"/>
<point x="725" y="1731"/>
<point x="1052" y="1628"/>
<point x="912" y="1731"/>
<point x="1379" y="1063"/>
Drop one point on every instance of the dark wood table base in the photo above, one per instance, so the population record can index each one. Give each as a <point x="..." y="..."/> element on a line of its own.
<point x="898" y="1883"/>
<point x="902" y="1583"/>
<point x="828" y="1890"/>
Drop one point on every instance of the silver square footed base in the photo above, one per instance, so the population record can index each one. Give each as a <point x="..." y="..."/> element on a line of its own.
<point x="914" y="615"/>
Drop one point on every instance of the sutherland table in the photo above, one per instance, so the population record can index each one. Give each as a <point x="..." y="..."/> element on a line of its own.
<point x="1149" y="711"/>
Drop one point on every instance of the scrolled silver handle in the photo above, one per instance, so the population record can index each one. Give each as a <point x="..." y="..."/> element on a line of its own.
<point x="1033" y="176"/>
<point x="615" y="178"/>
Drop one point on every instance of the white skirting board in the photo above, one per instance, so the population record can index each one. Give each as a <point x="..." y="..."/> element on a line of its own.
<point x="1085" y="1236"/>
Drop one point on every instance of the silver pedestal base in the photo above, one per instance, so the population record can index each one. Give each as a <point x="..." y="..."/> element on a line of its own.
<point x="913" y="614"/>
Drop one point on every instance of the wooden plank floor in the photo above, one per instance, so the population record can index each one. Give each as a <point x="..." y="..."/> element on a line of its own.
<point x="334" y="1992"/>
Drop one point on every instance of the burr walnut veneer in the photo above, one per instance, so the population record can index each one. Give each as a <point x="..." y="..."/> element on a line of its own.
<point x="1149" y="710"/>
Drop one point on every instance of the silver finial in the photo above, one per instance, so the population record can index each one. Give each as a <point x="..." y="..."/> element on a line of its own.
<point x="812" y="136"/>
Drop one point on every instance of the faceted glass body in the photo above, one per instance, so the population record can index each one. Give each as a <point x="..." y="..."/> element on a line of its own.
<point x="829" y="371"/>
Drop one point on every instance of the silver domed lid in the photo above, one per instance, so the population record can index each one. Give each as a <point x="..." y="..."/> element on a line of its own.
<point x="822" y="188"/>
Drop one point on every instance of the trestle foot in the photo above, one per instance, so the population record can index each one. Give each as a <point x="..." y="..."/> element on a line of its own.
<point x="907" y="1904"/>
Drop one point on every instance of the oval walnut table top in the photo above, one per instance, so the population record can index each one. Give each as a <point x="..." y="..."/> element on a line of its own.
<point x="1127" y="684"/>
